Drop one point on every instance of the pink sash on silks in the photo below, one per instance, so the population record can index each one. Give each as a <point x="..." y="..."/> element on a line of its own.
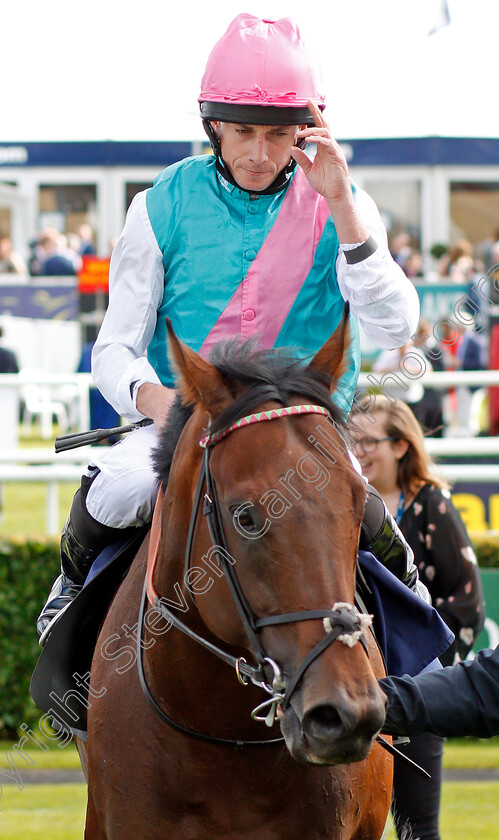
<point x="263" y="299"/>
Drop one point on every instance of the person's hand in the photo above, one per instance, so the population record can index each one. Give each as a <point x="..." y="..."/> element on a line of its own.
<point x="155" y="401"/>
<point x="328" y="172"/>
<point x="328" y="175"/>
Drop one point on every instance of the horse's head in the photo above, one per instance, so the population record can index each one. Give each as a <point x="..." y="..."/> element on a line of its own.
<point x="289" y="504"/>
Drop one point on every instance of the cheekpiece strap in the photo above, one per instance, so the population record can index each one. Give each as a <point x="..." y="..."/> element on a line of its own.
<point x="258" y="417"/>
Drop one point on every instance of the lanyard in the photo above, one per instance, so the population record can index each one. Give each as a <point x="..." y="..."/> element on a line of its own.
<point x="400" y="509"/>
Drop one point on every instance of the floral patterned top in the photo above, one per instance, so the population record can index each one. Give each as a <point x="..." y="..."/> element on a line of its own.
<point x="447" y="565"/>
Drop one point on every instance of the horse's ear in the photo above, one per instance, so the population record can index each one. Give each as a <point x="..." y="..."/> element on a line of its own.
<point x="199" y="382"/>
<point x="332" y="358"/>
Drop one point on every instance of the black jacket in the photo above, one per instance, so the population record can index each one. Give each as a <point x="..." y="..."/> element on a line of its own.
<point x="462" y="699"/>
<point x="8" y="361"/>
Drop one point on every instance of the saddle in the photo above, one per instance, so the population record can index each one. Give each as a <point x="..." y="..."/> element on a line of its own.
<point x="410" y="634"/>
<point x="66" y="658"/>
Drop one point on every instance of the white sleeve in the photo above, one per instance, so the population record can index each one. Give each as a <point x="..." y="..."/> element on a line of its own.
<point x="136" y="284"/>
<point x="381" y="296"/>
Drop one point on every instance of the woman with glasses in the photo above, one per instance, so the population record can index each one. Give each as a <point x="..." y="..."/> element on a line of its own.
<point x="388" y="441"/>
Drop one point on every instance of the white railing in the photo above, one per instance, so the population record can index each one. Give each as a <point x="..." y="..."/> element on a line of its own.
<point x="48" y="467"/>
<point x="44" y="465"/>
<point x="82" y="382"/>
<point x="31" y="456"/>
<point x="445" y="447"/>
<point x="51" y="475"/>
<point x="436" y="379"/>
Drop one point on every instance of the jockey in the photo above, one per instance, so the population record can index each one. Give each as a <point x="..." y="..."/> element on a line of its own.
<point x="255" y="240"/>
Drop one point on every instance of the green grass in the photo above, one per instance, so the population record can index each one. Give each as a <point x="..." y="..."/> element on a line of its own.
<point x="43" y="812"/>
<point x="471" y="753"/>
<point x="466" y="753"/>
<point x="55" y="758"/>
<point x="469" y="811"/>
<point x="24" y="509"/>
<point x="24" y="504"/>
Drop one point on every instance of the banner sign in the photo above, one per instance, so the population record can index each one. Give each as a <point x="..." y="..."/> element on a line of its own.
<point x="48" y="301"/>
<point x="93" y="275"/>
<point x="478" y="504"/>
<point x="437" y="300"/>
<point x="489" y="637"/>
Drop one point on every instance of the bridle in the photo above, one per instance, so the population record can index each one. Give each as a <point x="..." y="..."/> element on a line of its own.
<point x="342" y="622"/>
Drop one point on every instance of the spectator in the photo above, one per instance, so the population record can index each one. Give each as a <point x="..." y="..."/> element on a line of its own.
<point x="87" y="247"/>
<point x="454" y="702"/>
<point x="9" y="405"/>
<point x="471" y="356"/>
<point x="460" y="262"/>
<point x="414" y="265"/>
<point x="394" y="460"/>
<point x="102" y="414"/>
<point x="492" y="255"/>
<point x="404" y="368"/>
<point x="401" y="248"/>
<point x="53" y="254"/>
<point x="448" y="337"/>
<point x="8" y="360"/>
<point x="429" y="409"/>
<point x="472" y="350"/>
<point x="10" y="262"/>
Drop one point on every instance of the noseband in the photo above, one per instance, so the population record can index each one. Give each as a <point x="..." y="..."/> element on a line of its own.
<point x="342" y="622"/>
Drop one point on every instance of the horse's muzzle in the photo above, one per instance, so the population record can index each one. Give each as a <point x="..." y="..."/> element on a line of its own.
<point x="332" y="734"/>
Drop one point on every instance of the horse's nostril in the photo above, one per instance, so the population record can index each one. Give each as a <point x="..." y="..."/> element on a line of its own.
<point x="321" y="721"/>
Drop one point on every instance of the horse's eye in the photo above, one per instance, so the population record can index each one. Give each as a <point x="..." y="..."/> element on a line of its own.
<point x="244" y="517"/>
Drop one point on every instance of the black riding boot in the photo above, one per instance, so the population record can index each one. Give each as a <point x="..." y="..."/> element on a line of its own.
<point x="76" y="561"/>
<point x="380" y="534"/>
<point x="82" y="540"/>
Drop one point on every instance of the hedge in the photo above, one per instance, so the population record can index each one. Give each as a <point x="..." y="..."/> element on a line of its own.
<point x="487" y="552"/>
<point x="27" y="570"/>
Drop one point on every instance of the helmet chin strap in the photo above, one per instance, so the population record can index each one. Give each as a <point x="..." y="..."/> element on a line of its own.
<point x="279" y="183"/>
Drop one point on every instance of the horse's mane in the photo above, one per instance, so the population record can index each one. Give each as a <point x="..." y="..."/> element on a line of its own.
<point x="266" y="375"/>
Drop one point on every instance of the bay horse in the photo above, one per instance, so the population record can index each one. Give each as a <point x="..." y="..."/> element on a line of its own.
<point x="250" y="564"/>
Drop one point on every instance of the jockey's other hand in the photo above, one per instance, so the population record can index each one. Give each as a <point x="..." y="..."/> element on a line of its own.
<point x="155" y="401"/>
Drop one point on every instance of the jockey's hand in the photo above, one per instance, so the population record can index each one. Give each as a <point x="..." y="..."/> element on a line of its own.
<point x="328" y="175"/>
<point x="155" y="401"/>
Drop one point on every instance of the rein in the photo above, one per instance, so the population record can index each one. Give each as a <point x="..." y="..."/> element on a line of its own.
<point x="343" y="622"/>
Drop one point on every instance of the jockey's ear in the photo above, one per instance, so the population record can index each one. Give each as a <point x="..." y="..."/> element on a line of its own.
<point x="332" y="358"/>
<point x="199" y="382"/>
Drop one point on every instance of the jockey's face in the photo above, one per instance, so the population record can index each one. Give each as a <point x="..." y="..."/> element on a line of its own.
<point x="255" y="154"/>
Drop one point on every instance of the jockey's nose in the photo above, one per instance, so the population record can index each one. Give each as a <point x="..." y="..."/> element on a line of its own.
<point x="259" y="151"/>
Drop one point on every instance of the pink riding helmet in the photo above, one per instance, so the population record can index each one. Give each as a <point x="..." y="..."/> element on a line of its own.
<point x="260" y="73"/>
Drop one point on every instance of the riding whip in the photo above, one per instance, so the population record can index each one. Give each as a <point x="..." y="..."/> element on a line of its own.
<point x="73" y="441"/>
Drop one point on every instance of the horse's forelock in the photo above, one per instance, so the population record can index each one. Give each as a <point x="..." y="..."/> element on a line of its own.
<point x="269" y="375"/>
<point x="265" y="375"/>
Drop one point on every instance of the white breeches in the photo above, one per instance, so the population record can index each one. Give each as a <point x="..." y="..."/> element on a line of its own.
<point x="124" y="491"/>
